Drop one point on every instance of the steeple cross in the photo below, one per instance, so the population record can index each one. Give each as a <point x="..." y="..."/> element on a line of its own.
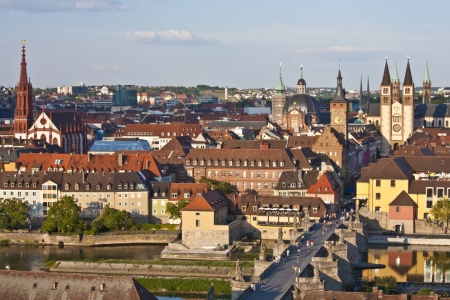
<point x="23" y="42"/>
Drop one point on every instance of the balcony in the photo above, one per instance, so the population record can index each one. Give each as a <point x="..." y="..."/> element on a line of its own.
<point x="278" y="216"/>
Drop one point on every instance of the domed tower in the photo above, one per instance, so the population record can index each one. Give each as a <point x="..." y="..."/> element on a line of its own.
<point x="395" y="86"/>
<point x="278" y="101"/>
<point x="301" y="83"/>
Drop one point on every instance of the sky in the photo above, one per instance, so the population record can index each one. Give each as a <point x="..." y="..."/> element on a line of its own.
<point x="218" y="43"/>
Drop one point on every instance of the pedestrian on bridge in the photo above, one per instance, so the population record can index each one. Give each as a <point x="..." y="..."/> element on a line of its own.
<point x="288" y="252"/>
<point x="262" y="287"/>
<point x="312" y="243"/>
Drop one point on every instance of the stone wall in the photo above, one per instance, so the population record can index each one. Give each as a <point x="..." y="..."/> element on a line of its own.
<point x="220" y="235"/>
<point x="261" y="268"/>
<point x="87" y="240"/>
<point x="239" y="289"/>
<point x="146" y="269"/>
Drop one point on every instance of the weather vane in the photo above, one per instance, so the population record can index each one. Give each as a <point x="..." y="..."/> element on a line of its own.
<point x="23" y="42"/>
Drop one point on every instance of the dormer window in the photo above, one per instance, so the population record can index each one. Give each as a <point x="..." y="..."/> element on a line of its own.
<point x="209" y="162"/>
<point x="162" y="133"/>
<point x="12" y="184"/>
<point x="223" y="163"/>
<point x="230" y="163"/>
<point x="253" y="163"/>
<point x="155" y="194"/>
<point x="267" y="164"/>
<point x="188" y="162"/>
<point x="195" y="162"/>
<point x="174" y="195"/>
<point x="125" y="186"/>
<point x="202" y="162"/>
<point x="108" y="187"/>
<point x="163" y="194"/>
<point x="131" y="186"/>
<point x="292" y="185"/>
<point x="245" y="163"/>
<point x="77" y="186"/>
<point x="87" y="187"/>
<point x="119" y="186"/>
<point x="274" y="164"/>
<point x="238" y="163"/>
<point x="259" y="163"/>
<point x="98" y="187"/>
<point x="67" y="186"/>
<point x="34" y="184"/>
<point x="27" y="185"/>
<point x="187" y="195"/>
<point x="283" y="184"/>
<point x="281" y="163"/>
<point x="216" y="162"/>
<point x="19" y="184"/>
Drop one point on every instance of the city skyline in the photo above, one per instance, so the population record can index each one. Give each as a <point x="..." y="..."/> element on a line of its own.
<point x="173" y="43"/>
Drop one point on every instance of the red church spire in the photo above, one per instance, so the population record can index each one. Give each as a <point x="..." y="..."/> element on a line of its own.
<point x="23" y="116"/>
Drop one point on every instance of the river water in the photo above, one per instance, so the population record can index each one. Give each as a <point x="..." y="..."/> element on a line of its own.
<point x="31" y="258"/>
<point x="410" y="263"/>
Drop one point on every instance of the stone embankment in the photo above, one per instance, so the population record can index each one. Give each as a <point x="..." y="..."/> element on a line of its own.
<point x="408" y="241"/>
<point x="145" y="269"/>
<point x="159" y="237"/>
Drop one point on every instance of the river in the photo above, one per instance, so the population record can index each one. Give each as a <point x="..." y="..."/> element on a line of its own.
<point x="31" y="258"/>
<point x="410" y="263"/>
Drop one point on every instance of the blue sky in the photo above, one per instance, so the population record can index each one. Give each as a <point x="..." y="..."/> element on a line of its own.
<point x="234" y="43"/>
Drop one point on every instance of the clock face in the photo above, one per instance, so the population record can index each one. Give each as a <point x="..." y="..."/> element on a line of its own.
<point x="397" y="108"/>
<point x="338" y="120"/>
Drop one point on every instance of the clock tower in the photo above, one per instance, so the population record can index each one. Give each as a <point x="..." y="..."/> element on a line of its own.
<point x="339" y="111"/>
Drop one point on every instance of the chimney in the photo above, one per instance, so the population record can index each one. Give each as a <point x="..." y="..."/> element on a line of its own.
<point x="137" y="154"/>
<point x="89" y="157"/>
<point x="147" y="163"/>
<point x="120" y="159"/>
<point x="54" y="285"/>
<point x="40" y="153"/>
<point x="323" y="166"/>
<point x="263" y="146"/>
<point x="102" y="286"/>
<point x="82" y="175"/>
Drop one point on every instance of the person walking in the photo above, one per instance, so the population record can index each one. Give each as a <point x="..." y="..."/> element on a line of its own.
<point x="262" y="287"/>
<point x="303" y="238"/>
<point x="288" y="252"/>
<point x="309" y="249"/>
<point x="307" y="243"/>
<point x="312" y="243"/>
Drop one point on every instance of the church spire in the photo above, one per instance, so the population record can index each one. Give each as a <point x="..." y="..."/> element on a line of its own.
<point x="408" y="77"/>
<point x="396" y="80"/>
<point x="361" y="99"/>
<point x="386" y="77"/>
<point x="427" y="79"/>
<point x="23" y="81"/>
<point x="280" y="86"/>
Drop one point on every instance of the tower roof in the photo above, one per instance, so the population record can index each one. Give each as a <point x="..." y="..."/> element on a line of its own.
<point x="23" y="81"/>
<point x="386" y="77"/>
<point x="408" y="77"/>
<point x="339" y="96"/>
<point x="396" y="80"/>
<point x="301" y="81"/>
<point x="280" y="86"/>
<point x="427" y="76"/>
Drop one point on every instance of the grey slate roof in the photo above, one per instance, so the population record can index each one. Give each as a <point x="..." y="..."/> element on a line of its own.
<point x="245" y="124"/>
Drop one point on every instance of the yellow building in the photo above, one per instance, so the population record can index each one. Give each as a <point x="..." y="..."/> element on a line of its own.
<point x="402" y="190"/>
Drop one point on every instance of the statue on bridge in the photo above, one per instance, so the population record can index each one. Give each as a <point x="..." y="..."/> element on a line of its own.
<point x="316" y="277"/>
<point x="280" y="234"/>
<point x="294" y="224"/>
<point x="262" y="254"/>
<point x="341" y="237"/>
<point x="350" y="223"/>
<point x="238" y="272"/>
<point x="357" y="211"/>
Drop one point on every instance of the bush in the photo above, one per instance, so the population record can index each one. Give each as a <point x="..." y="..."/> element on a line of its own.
<point x="4" y="242"/>
<point x="186" y="286"/>
<point x="89" y="232"/>
<point x="387" y="283"/>
<point x="424" y="292"/>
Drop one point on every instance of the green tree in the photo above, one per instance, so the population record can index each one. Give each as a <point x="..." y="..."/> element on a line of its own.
<point x="63" y="215"/>
<point x="387" y="283"/>
<point x="440" y="211"/>
<point x="424" y="292"/>
<point x="114" y="219"/>
<point x="13" y="212"/>
<point x="223" y="186"/>
<point x="174" y="209"/>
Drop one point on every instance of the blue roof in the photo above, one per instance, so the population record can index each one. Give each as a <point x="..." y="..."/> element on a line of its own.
<point x="111" y="146"/>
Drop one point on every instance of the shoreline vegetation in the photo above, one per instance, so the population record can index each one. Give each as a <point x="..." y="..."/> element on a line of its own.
<point x="202" y="263"/>
<point x="185" y="285"/>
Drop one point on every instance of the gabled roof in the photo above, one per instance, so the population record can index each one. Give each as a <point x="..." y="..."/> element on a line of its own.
<point x="210" y="201"/>
<point x="41" y="285"/>
<point x="403" y="199"/>
<point x="388" y="168"/>
<point x="302" y="141"/>
<point x="182" y="188"/>
<point x="180" y="143"/>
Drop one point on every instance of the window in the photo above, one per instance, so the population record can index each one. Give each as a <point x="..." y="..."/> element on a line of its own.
<point x="429" y="197"/>
<point x="255" y="208"/>
<point x="426" y="215"/>
<point x="155" y="211"/>
<point x="87" y="195"/>
<point x="108" y="195"/>
<point x="251" y="174"/>
<point x="440" y="194"/>
<point x="216" y="173"/>
<point x="392" y="183"/>
<point x="87" y="204"/>
<point x="266" y="185"/>
<point x="251" y="185"/>
<point x="209" y="173"/>
<point x="132" y="212"/>
<point x="273" y="174"/>
<point x="244" y="174"/>
<point x="230" y="173"/>
<point x="132" y="203"/>
<point x="326" y="189"/>
<point x="377" y="209"/>
<point x="397" y="209"/>
<point x="266" y="174"/>
<point x="119" y="195"/>
<point x="319" y="189"/>
<point x="139" y="203"/>
<point x="163" y="211"/>
<point x="258" y="174"/>
<point x="197" y="223"/>
<point x="378" y="182"/>
<point x="378" y="196"/>
<point x="244" y="208"/>
<point x="223" y="173"/>
<point x="139" y="195"/>
<point x="119" y="204"/>
<point x="237" y="173"/>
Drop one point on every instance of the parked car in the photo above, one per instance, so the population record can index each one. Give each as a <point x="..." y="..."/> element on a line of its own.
<point x="389" y="232"/>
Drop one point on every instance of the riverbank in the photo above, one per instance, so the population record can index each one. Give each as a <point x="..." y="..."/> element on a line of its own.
<point x="185" y="286"/>
<point x="150" y="237"/>
<point x="408" y="241"/>
<point x="161" y="268"/>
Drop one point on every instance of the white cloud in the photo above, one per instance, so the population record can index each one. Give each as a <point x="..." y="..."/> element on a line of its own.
<point x="47" y="6"/>
<point x="170" y="36"/>
<point x="340" y="49"/>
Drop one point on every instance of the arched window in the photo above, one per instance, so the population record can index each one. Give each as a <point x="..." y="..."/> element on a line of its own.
<point x="55" y="141"/>
<point x="396" y="118"/>
<point x="43" y="137"/>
